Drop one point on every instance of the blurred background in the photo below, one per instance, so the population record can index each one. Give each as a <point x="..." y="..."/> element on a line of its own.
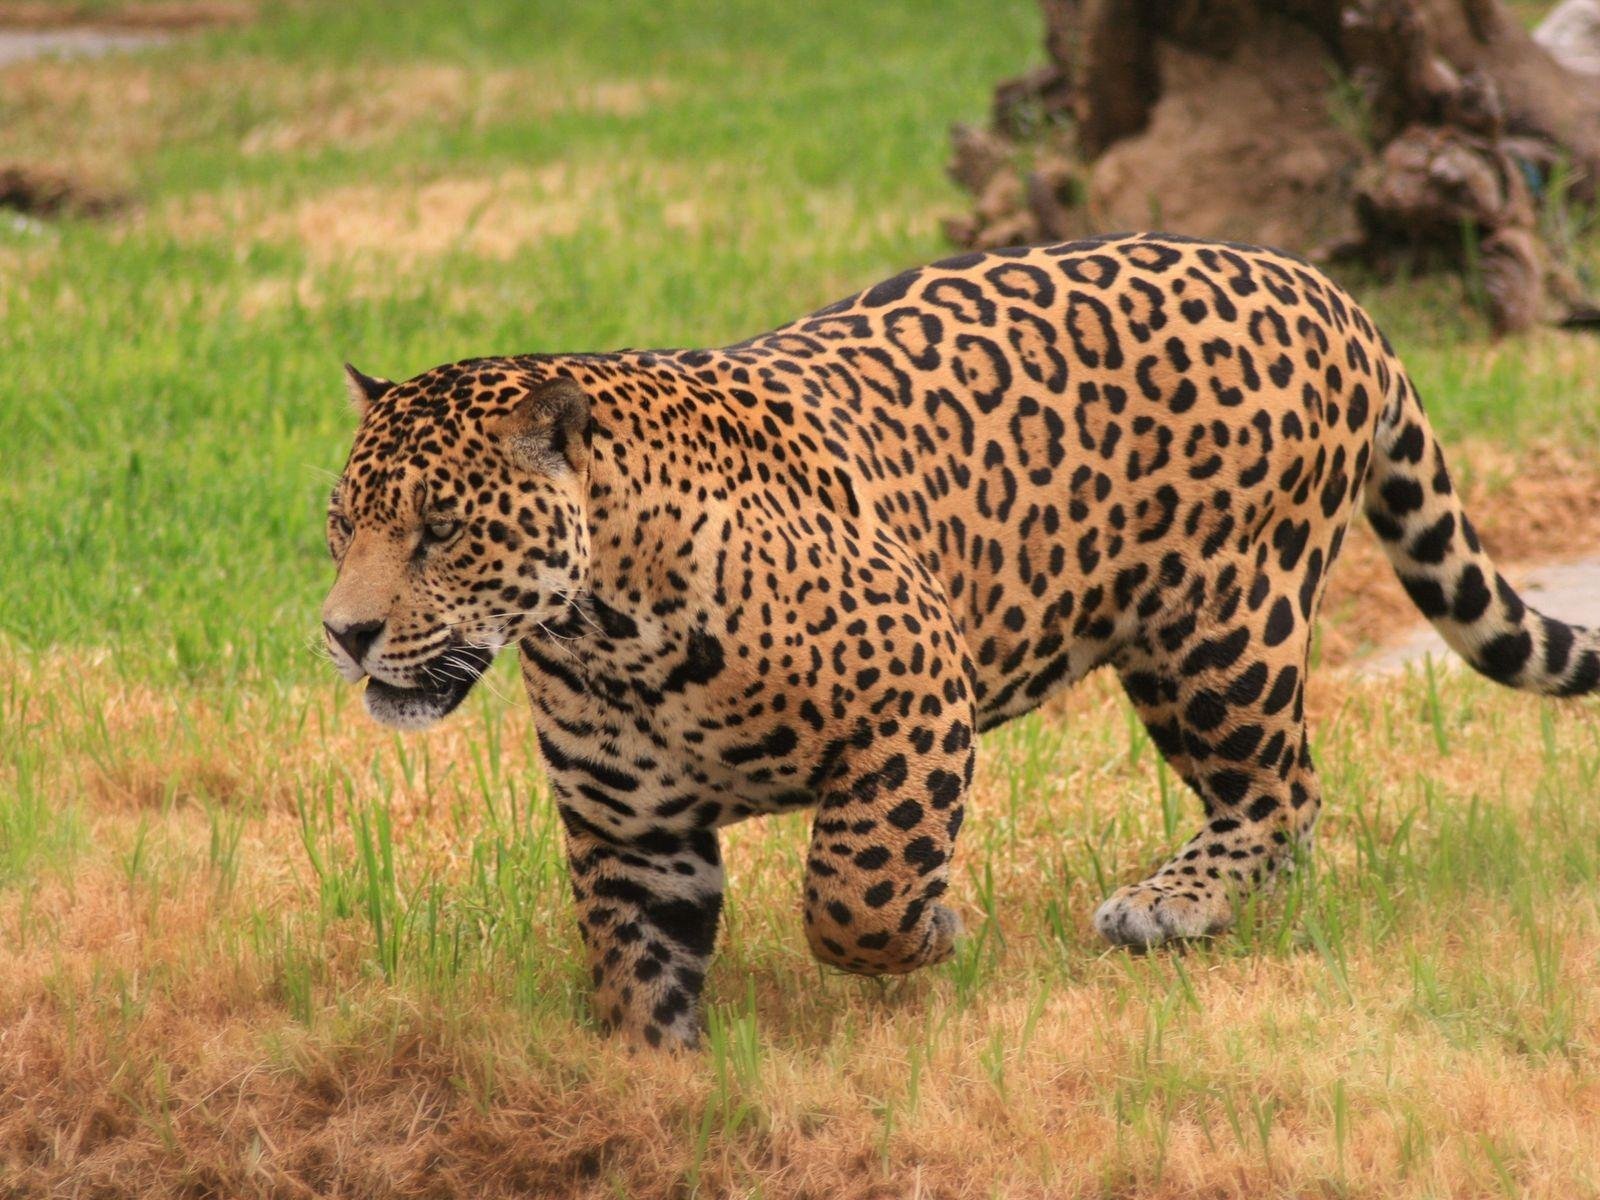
<point x="206" y="207"/>
<point x="249" y="196"/>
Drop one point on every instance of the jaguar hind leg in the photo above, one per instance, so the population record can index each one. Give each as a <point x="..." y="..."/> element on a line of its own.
<point x="1227" y="712"/>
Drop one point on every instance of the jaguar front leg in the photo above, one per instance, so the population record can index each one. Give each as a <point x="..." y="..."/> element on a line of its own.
<point x="648" y="911"/>
<point x="891" y="782"/>
<point x="884" y="834"/>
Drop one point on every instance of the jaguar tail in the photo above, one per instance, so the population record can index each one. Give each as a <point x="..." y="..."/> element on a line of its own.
<point x="1416" y="511"/>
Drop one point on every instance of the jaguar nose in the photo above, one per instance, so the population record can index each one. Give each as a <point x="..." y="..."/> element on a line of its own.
<point x="356" y="638"/>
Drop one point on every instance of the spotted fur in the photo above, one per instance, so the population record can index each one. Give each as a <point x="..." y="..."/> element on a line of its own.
<point x="807" y="570"/>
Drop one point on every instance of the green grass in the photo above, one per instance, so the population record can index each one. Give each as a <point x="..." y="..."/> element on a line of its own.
<point x="171" y="454"/>
<point x="169" y="433"/>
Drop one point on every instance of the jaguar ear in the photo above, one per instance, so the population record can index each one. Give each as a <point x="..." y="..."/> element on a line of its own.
<point x="549" y="427"/>
<point x="363" y="389"/>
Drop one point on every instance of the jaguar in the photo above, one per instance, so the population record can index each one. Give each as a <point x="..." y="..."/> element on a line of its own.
<point x="809" y="569"/>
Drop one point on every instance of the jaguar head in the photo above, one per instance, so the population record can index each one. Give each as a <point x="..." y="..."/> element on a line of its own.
<point x="458" y="527"/>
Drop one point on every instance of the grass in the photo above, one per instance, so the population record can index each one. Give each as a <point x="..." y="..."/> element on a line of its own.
<point x="344" y="958"/>
<point x="251" y="944"/>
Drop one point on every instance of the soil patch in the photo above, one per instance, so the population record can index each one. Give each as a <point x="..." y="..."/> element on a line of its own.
<point x="174" y="16"/>
<point x="45" y="192"/>
<point x="1348" y="131"/>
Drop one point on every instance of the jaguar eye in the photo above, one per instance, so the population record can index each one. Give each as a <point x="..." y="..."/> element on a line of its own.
<point x="342" y="524"/>
<point x="442" y="531"/>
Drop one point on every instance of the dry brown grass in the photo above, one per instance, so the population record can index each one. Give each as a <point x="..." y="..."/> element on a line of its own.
<point x="489" y="217"/>
<point x="151" y="1043"/>
<point x="367" y="240"/>
<point x="111" y="114"/>
<point x="380" y="229"/>
<point x="102" y="118"/>
<point x="356" y="108"/>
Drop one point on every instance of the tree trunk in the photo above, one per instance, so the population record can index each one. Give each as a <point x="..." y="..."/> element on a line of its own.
<point x="1369" y="129"/>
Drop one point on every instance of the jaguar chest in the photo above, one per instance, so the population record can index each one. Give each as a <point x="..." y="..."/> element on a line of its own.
<point x="657" y="727"/>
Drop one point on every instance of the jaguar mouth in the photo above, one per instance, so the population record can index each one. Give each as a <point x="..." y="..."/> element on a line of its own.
<point x="443" y="685"/>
